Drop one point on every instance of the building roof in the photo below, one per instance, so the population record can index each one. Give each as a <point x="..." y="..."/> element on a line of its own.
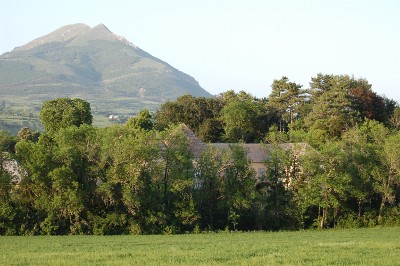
<point x="195" y="145"/>
<point x="256" y="152"/>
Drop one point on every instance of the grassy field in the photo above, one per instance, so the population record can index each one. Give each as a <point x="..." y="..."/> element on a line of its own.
<point x="375" y="246"/>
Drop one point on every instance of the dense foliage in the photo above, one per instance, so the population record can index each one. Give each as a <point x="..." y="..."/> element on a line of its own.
<point x="140" y="178"/>
<point x="331" y="105"/>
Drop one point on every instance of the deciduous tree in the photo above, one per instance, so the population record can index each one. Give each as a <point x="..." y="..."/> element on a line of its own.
<point x="65" y="112"/>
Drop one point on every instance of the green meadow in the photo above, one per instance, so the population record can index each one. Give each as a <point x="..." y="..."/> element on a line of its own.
<point x="371" y="246"/>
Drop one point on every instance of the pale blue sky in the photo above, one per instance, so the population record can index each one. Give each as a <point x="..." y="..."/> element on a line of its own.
<point x="230" y="44"/>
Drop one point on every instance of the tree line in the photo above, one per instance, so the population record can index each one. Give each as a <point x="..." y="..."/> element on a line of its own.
<point x="331" y="105"/>
<point x="140" y="178"/>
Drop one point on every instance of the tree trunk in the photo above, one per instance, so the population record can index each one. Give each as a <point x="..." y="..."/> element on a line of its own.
<point x="165" y="183"/>
<point x="319" y="216"/>
<point x="381" y="210"/>
<point x="324" y="217"/>
<point x="335" y="214"/>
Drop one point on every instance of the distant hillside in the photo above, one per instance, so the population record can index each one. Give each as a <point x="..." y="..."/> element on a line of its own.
<point x="90" y="63"/>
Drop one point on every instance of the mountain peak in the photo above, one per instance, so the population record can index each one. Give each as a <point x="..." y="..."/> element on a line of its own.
<point x="76" y="34"/>
<point x="101" y="26"/>
<point x="60" y="35"/>
<point x="99" y="32"/>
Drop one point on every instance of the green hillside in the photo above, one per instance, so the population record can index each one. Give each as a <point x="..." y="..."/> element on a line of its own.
<point x="94" y="64"/>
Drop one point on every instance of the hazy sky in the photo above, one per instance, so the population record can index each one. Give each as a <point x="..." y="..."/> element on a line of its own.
<point x="236" y="44"/>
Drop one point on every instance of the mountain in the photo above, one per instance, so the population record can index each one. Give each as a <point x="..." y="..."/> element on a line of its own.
<point x="94" y="64"/>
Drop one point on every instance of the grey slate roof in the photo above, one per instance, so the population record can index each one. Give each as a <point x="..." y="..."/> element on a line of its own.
<point x="256" y="152"/>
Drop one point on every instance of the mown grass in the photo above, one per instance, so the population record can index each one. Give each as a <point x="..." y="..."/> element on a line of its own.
<point x="373" y="246"/>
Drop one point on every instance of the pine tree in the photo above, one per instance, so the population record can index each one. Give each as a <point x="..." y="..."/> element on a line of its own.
<point x="285" y="100"/>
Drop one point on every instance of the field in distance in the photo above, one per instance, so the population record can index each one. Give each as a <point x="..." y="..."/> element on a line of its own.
<point x="371" y="246"/>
